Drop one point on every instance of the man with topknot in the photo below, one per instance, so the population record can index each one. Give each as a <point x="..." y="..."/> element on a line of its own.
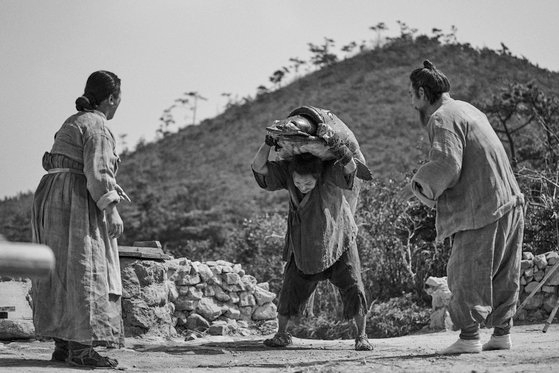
<point x="469" y="180"/>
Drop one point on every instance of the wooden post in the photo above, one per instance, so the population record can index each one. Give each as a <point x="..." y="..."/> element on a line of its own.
<point x="551" y="316"/>
<point x="25" y="259"/>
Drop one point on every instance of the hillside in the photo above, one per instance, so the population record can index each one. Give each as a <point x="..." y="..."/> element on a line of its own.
<point x="197" y="183"/>
<point x="202" y="174"/>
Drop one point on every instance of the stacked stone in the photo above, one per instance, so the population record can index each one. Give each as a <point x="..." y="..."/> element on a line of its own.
<point x="215" y="297"/>
<point x="534" y="268"/>
<point x="146" y="310"/>
<point x="218" y="297"/>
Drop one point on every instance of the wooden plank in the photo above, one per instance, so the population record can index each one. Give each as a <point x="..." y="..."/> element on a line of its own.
<point x="142" y="252"/>
<point x="156" y="244"/>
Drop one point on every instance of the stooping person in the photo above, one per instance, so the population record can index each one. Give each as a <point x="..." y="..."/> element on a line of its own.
<point x="321" y="235"/>
<point x="75" y="214"/>
<point x="469" y="180"/>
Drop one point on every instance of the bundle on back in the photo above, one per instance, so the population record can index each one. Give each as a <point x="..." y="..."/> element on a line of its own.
<point x="320" y="132"/>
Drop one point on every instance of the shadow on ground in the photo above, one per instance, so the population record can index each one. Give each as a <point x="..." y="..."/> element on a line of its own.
<point x="16" y="362"/>
<point x="214" y="348"/>
<point x="232" y="348"/>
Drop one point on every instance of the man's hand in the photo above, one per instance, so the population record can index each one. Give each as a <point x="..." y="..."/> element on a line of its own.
<point x="341" y="151"/>
<point x="272" y="142"/>
<point x="342" y="154"/>
<point x="405" y="194"/>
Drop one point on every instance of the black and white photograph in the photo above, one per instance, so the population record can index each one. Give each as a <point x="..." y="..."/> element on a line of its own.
<point x="294" y="186"/>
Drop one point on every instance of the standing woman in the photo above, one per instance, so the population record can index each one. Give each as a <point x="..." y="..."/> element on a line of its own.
<point x="75" y="214"/>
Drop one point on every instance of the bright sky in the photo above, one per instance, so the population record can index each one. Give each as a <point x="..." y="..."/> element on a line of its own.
<point x="163" y="48"/>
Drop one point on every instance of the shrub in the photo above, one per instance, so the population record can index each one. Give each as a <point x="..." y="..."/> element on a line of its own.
<point x="397" y="317"/>
<point x="396" y="243"/>
<point x="258" y="246"/>
<point x="393" y="318"/>
<point x="541" y="229"/>
<point x="323" y="327"/>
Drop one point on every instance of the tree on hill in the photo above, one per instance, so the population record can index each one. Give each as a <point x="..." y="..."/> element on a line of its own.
<point x="322" y="55"/>
<point x="518" y="106"/>
<point x="278" y="76"/>
<point x="379" y="28"/>
<point x="406" y="32"/>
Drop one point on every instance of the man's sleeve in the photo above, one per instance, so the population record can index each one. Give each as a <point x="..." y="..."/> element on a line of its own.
<point x="442" y="171"/>
<point x="276" y="178"/>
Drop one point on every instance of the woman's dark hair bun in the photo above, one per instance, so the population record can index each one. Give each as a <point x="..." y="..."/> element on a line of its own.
<point x="83" y="103"/>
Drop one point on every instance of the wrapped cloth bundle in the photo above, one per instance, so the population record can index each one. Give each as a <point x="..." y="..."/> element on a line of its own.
<point x="320" y="132"/>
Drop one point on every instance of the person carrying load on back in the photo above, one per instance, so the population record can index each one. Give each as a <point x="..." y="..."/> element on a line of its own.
<point x="321" y="231"/>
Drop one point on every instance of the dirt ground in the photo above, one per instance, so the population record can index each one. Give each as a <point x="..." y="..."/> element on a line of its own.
<point x="533" y="351"/>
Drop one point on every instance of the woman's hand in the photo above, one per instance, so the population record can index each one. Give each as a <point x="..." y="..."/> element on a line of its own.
<point x="115" y="227"/>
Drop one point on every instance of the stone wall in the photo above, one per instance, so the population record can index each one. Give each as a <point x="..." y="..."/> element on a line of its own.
<point x="168" y="298"/>
<point x="179" y="295"/>
<point x="533" y="271"/>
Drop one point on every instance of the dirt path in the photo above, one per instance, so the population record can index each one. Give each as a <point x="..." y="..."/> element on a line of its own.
<point x="533" y="351"/>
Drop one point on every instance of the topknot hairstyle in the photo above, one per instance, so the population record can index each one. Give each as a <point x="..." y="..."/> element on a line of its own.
<point x="433" y="81"/>
<point x="100" y="85"/>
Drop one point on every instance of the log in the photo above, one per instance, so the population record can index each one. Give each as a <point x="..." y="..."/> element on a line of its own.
<point x="18" y="259"/>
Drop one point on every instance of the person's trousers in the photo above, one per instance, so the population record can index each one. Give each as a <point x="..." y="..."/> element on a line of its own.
<point x="484" y="273"/>
<point x="345" y="274"/>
